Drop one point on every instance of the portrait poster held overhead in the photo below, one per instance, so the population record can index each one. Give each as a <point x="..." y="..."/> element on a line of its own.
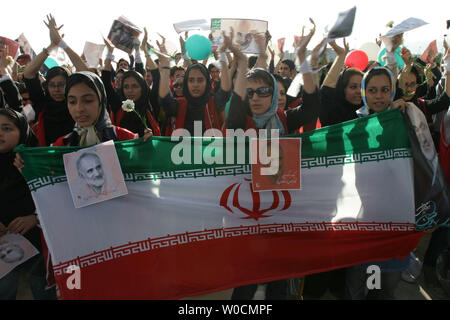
<point x="14" y="250"/>
<point x="276" y="164"/>
<point x="94" y="174"/>
<point x="13" y="46"/>
<point x="123" y="34"/>
<point x="244" y="33"/>
<point x="430" y="52"/>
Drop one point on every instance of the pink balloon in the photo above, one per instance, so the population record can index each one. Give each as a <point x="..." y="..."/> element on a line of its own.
<point x="357" y="59"/>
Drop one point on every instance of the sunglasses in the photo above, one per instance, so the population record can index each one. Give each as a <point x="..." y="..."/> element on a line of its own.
<point x="178" y="85"/>
<point x="262" y="92"/>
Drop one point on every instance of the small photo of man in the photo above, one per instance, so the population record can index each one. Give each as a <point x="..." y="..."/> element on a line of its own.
<point x="277" y="165"/>
<point x="94" y="175"/>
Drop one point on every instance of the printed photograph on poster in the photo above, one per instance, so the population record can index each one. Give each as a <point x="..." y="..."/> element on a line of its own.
<point x="244" y="32"/>
<point x="276" y="164"/>
<point x="123" y="35"/>
<point x="94" y="174"/>
<point x="430" y="52"/>
<point x="420" y="126"/>
<point x="13" y="46"/>
<point x="14" y="250"/>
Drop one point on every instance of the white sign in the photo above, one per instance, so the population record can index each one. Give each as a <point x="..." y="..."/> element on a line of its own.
<point x="407" y="25"/>
<point x="189" y="25"/>
<point x="93" y="53"/>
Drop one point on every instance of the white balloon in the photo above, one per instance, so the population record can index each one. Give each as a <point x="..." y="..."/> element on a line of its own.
<point x="371" y="49"/>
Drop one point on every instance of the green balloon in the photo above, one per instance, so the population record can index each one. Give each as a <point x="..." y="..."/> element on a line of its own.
<point x="50" y="63"/>
<point x="198" y="47"/>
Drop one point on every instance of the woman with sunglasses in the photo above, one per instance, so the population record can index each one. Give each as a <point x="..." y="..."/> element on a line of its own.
<point x="53" y="118"/>
<point x="255" y="104"/>
<point x="197" y="103"/>
<point x="178" y="86"/>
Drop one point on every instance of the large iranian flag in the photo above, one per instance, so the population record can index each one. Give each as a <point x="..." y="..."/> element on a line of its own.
<point x="185" y="230"/>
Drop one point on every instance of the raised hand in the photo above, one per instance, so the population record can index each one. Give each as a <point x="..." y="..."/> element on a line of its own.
<point x="315" y="53"/>
<point x="144" y="41"/>
<point x="406" y="55"/>
<point x="261" y="43"/>
<point x="227" y="42"/>
<point x="108" y="44"/>
<point x="55" y="37"/>
<point x="340" y="51"/>
<point x="303" y="42"/>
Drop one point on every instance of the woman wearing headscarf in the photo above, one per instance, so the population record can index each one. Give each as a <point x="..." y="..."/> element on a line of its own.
<point x="18" y="213"/>
<point x="197" y="103"/>
<point x="255" y="103"/>
<point x="133" y="87"/>
<point x="48" y="99"/>
<point x="340" y="92"/>
<point x="378" y="93"/>
<point x="86" y="103"/>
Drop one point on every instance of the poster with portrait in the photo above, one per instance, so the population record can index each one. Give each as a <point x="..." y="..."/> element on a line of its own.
<point x="14" y="250"/>
<point x="94" y="174"/>
<point x="430" y="52"/>
<point x="25" y="46"/>
<point x="343" y="26"/>
<point x="123" y="34"/>
<point x="13" y="46"/>
<point x="276" y="164"/>
<point x="244" y="33"/>
<point x="431" y="191"/>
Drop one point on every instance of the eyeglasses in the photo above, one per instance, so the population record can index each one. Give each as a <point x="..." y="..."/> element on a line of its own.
<point x="262" y="92"/>
<point x="178" y="85"/>
<point x="57" y="85"/>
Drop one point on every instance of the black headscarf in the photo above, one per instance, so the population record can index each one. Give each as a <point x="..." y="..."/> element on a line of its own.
<point x="196" y="106"/>
<point x="201" y="101"/>
<point x="130" y="120"/>
<point x="15" y="196"/>
<point x="347" y="110"/>
<point x="103" y="126"/>
<point x="57" y="119"/>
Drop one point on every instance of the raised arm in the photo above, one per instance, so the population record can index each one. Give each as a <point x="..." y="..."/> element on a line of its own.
<point x="164" y="70"/>
<point x="309" y="84"/>
<point x="262" y="42"/>
<point x="333" y="75"/>
<point x="109" y="55"/>
<point x="225" y="80"/>
<point x="10" y="91"/>
<point x="240" y="87"/>
<point x="149" y="63"/>
<point x="56" y="39"/>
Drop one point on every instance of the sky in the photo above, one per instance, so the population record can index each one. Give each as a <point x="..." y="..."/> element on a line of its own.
<point x="87" y="20"/>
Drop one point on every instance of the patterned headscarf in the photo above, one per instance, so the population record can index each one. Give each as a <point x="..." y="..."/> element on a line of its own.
<point x="101" y="129"/>
<point x="269" y="119"/>
<point x="364" y="111"/>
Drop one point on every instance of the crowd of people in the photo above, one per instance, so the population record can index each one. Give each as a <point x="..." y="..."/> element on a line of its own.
<point x="82" y="106"/>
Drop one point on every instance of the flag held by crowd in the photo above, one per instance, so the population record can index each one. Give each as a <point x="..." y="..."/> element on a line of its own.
<point x="190" y="229"/>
